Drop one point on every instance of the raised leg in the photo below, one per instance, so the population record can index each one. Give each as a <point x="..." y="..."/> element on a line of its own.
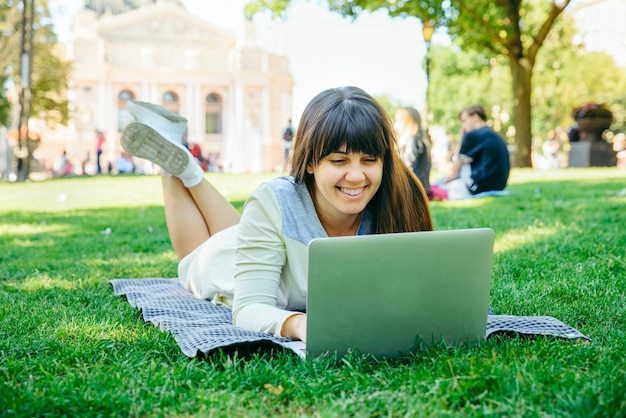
<point x="194" y="209"/>
<point x="194" y="214"/>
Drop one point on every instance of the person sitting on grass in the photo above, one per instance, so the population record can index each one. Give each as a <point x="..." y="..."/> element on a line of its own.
<point x="483" y="163"/>
<point x="346" y="179"/>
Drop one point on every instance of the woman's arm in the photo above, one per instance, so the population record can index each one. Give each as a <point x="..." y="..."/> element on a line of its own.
<point x="260" y="259"/>
<point x="294" y="327"/>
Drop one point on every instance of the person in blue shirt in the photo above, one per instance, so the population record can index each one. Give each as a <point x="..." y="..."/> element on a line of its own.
<point x="483" y="163"/>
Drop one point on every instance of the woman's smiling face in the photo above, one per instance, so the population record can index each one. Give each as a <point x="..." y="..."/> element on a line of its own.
<point x="345" y="182"/>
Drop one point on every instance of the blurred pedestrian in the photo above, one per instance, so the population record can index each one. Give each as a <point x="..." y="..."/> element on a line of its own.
<point x="100" y="141"/>
<point x="288" y="134"/>
<point x="619" y="146"/>
<point x="551" y="148"/>
<point x="412" y="145"/>
<point x="125" y="164"/>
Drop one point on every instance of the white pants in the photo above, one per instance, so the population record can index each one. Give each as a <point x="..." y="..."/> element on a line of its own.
<point x="457" y="188"/>
<point x="209" y="271"/>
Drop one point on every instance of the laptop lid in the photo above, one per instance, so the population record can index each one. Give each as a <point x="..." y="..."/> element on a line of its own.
<point x="386" y="294"/>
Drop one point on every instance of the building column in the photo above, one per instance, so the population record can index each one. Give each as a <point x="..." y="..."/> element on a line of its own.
<point x="232" y="146"/>
<point x="267" y="160"/>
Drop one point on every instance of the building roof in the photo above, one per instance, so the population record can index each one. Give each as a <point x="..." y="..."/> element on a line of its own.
<point x="119" y="6"/>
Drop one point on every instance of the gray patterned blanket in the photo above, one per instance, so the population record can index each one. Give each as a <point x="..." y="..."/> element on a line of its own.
<point x="201" y="327"/>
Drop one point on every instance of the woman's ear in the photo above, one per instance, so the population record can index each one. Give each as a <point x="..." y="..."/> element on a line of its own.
<point x="309" y="169"/>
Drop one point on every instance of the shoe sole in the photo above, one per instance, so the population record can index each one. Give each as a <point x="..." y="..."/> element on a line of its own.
<point x="144" y="142"/>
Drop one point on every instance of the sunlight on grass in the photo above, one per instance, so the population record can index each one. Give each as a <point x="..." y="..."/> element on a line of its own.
<point x="91" y="330"/>
<point x="516" y="238"/>
<point x="42" y="281"/>
<point x="467" y="203"/>
<point x="24" y="229"/>
<point x="141" y="264"/>
<point x="238" y="186"/>
<point x="26" y="244"/>
<point x="72" y="194"/>
<point x="524" y="175"/>
<point x="113" y="191"/>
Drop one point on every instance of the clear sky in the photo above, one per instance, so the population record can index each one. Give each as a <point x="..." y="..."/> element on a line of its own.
<point x="379" y="54"/>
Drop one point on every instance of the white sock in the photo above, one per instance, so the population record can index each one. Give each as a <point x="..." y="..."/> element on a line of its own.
<point x="193" y="174"/>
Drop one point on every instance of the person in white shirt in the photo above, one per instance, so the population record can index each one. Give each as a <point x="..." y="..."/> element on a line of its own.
<point x="346" y="178"/>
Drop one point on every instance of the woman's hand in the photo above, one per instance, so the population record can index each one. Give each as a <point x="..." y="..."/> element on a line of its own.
<point x="294" y="327"/>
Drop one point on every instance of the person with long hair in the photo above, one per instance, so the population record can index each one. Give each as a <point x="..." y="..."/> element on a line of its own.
<point x="413" y="144"/>
<point x="346" y="178"/>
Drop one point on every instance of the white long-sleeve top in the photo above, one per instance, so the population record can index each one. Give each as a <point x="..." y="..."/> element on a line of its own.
<point x="271" y="258"/>
<point x="259" y="267"/>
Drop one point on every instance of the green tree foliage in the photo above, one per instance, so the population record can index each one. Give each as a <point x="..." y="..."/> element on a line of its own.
<point x="463" y="78"/>
<point x="390" y="104"/>
<point x="50" y="73"/>
<point x="5" y="106"/>
<point x="512" y="29"/>
<point x="566" y="76"/>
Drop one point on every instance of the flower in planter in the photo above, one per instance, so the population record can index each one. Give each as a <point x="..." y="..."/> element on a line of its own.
<point x="592" y="110"/>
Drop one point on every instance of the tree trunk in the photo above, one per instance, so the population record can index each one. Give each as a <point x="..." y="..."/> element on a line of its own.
<point x="522" y="75"/>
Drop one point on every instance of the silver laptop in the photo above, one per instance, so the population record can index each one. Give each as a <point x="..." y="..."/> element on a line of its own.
<point x="389" y="294"/>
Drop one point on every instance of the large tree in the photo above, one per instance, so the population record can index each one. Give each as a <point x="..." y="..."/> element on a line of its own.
<point x="50" y="73"/>
<point x="513" y="29"/>
<point x="565" y="76"/>
<point x="459" y="78"/>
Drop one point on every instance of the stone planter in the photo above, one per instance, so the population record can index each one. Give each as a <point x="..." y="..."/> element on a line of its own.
<point x="592" y="150"/>
<point x="592" y="154"/>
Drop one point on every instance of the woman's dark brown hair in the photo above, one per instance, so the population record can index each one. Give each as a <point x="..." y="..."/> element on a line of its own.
<point x="351" y="117"/>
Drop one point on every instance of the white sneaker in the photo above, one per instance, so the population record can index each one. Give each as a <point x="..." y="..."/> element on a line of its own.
<point x="143" y="141"/>
<point x="169" y="124"/>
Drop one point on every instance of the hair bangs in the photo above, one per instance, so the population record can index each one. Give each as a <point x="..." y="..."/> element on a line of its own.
<point x="349" y="128"/>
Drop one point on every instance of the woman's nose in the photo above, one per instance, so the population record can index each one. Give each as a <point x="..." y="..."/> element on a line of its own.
<point x="355" y="172"/>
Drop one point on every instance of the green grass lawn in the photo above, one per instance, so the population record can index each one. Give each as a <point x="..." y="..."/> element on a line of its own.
<point x="69" y="347"/>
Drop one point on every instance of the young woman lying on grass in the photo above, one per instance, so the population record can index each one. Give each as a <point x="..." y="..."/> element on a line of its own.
<point x="346" y="179"/>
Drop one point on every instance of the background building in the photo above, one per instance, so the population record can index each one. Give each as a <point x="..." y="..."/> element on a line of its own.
<point x="236" y="96"/>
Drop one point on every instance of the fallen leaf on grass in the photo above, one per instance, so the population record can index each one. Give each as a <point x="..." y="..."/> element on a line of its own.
<point x="276" y="390"/>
